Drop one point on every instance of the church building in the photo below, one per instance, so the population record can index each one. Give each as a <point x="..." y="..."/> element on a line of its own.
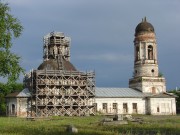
<point x="147" y="89"/>
<point x="57" y="88"/>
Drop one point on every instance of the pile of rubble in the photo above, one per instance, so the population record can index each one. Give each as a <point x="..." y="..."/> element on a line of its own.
<point x="120" y="119"/>
<point x="115" y="120"/>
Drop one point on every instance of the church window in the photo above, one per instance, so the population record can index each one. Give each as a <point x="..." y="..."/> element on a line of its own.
<point x="105" y="106"/>
<point x="137" y="53"/>
<point x="114" y="105"/>
<point x="152" y="70"/>
<point x="13" y="109"/>
<point x="134" y="107"/>
<point x="150" y="52"/>
<point x="158" y="109"/>
<point x="125" y="108"/>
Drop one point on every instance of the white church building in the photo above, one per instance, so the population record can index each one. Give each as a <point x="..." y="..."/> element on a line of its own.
<point x="147" y="89"/>
<point x="146" y="93"/>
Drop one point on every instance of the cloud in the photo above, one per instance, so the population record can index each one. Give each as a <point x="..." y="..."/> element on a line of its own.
<point x="19" y="2"/>
<point x="108" y="57"/>
<point x="101" y="31"/>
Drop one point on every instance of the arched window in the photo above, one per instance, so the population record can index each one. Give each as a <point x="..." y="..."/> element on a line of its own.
<point x="150" y="52"/>
<point x="137" y="53"/>
<point x="13" y="109"/>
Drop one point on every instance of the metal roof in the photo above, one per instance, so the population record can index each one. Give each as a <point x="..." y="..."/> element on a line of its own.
<point x="118" y="92"/>
<point x="24" y="93"/>
<point x="161" y="95"/>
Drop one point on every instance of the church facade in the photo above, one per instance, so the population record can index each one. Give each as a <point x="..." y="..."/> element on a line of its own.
<point x="58" y="88"/>
<point x="147" y="89"/>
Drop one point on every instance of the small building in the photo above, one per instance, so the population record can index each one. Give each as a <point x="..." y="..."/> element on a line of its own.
<point x="17" y="103"/>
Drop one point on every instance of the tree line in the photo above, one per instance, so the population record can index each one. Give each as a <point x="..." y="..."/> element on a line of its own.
<point x="177" y="93"/>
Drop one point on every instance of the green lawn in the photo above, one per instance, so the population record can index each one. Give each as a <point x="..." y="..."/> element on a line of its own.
<point x="158" y="125"/>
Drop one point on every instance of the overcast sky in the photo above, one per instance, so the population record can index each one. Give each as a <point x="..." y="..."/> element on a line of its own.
<point x="102" y="34"/>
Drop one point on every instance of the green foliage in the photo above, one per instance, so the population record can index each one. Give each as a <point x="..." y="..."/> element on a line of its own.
<point x="177" y="93"/>
<point x="9" y="27"/>
<point x="160" y="74"/>
<point x="153" y="125"/>
<point x="9" y="88"/>
<point x="2" y="104"/>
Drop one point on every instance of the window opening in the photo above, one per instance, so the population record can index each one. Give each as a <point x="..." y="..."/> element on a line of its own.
<point x="13" y="109"/>
<point x="137" y="53"/>
<point x="134" y="107"/>
<point x="150" y="52"/>
<point x="114" y="105"/>
<point x="158" y="109"/>
<point x="105" y="107"/>
<point x="115" y="108"/>
<point x="125" y="108"/>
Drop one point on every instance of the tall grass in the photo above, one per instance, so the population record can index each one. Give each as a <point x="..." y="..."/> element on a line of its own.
<point x="152" y="125"/>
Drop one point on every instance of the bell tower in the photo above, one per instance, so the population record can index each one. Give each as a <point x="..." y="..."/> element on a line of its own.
<point x="146" y="76"/>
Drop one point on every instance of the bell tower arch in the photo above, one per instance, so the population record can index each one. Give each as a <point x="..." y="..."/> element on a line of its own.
<point x="146" y="72"/>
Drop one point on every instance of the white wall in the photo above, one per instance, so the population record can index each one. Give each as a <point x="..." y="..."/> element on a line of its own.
<point x="20" y="107"/>
<point x="141" y="107"/>
<point x="167" y="106"/>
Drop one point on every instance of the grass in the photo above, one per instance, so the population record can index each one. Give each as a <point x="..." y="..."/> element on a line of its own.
<point x="152" y="125"/>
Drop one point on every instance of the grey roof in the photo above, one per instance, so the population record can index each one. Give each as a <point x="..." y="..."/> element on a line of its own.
<point x="161" y="95"/>
<point x="24" y="93"/>
<point x="118" y="92"/>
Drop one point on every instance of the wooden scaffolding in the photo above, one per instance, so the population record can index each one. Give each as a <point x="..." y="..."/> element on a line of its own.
<point x="58" y="93"/>
<point x="57" y="88"/>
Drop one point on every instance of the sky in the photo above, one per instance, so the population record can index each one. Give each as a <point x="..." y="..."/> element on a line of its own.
<point x="102" y="34"/>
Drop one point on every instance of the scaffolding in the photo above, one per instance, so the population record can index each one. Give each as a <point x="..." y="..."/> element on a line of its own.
<point x="57" y="93"/>
<point x="57" y="88"/>
<point x="56" y="43"/>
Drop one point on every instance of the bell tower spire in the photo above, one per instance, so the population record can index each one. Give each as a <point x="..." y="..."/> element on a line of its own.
<point x="146" y="73"/>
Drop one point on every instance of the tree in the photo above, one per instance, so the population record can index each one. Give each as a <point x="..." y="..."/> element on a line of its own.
<point x="177" y="93"/>
<point x="10" y="27"/>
